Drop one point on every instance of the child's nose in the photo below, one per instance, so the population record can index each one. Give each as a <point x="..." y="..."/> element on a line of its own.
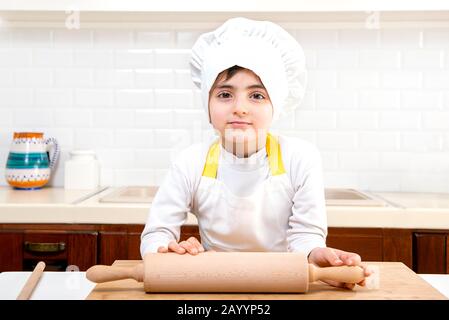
<point x="240" y="110"/>
<point x="240" y="107"/>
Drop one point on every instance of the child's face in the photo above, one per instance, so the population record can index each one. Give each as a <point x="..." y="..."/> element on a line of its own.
<point x="243" y="99"/>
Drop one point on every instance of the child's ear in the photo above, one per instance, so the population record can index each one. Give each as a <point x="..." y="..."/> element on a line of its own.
<point x="208" y="112"/>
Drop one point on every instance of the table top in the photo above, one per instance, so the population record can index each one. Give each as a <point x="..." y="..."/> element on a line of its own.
<point x="397" y="282"/>
<point x="75" y="286"/>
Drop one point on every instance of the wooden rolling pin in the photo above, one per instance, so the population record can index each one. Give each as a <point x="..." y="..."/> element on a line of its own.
<point x="226" y="272"/>
<point x="32" y="281"/>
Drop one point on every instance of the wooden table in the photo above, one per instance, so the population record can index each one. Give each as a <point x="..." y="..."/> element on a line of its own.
<point x="397" y="282"/>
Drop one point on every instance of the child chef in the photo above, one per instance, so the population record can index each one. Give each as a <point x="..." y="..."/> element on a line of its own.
<point x="250" y="190"/>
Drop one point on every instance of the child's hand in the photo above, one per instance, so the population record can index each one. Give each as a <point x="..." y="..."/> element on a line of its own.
<point x="191" y="245"/>
<point x="327" y="257"/>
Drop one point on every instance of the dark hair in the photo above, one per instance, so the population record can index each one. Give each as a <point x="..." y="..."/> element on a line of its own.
<point x="226" y="75"/>
<point x="229" y="73"/>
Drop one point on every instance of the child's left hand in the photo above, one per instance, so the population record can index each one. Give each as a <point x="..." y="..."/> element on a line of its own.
<point x="327" y="257"/>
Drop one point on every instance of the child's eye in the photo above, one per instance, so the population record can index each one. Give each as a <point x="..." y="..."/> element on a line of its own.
<point x="224" y="95"/>
<point x="257" y="96"/>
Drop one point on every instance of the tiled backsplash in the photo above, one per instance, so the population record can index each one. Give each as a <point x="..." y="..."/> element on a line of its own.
<point x="377" y="103"/>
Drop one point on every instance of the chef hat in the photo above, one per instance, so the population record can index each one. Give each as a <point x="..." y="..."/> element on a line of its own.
<point x="260" y="46"/>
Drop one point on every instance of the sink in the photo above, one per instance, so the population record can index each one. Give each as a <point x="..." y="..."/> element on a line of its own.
<point x="334" y="196"/>
<point x="131" y="195"/>
<point x="351" y="197"/>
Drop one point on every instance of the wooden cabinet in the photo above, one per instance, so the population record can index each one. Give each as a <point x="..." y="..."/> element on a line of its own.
<point x="368" y="243"/>
<point x="431" y="253"/>
<point x="119" y="242"/>
<point x="374" y="244"/>
<point x="23" y="248"/>
<point x="11" y="251"/>
<point x="66" y="245"/>
<point x="122" y="242"/>
<point x="70" y="245"/>
<point x="77" y="245"/>
<point x="398" y="246"/>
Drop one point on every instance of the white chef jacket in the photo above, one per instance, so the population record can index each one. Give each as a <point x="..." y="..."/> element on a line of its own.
<point x="307" y="227"/>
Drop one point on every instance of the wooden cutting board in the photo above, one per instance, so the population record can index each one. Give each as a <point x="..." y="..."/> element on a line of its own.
<point x="397" y="282"/>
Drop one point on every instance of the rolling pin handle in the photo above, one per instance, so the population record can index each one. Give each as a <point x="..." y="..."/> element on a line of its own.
<point x="346" y="274"/>
<point x="102" y="273"/>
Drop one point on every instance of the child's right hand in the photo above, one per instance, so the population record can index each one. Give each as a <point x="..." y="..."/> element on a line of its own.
<point x="191" y="245"/>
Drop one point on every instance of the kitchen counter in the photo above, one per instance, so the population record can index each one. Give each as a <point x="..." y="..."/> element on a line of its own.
<point x="411" y="210"/>
<point x="10" y="197"/>
<point x="56" y="205"/>
<point x="396" y="282"/>
<point x="416" y="201"/>
<point x="75" y="286"/>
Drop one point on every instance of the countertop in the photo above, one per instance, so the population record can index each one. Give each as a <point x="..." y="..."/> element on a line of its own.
<point x="57" y="205"/>
<point x="396" y="282"/>
<point x="75" y="286"/>
<point x="58" y="197"/>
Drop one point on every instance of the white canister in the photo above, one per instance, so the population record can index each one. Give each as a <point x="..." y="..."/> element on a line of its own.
<point x="82" y="171"/>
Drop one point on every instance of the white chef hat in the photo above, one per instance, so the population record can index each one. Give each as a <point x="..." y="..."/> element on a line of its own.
<point x="260" y="46"/>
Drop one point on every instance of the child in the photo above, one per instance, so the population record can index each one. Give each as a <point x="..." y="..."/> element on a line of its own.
<point x="249" y="189"/>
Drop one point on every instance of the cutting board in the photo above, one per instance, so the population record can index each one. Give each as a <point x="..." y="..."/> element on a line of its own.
<point x="397" y="282"/>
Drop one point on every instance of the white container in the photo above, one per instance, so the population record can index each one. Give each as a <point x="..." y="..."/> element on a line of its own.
<point x="82" y="171"/>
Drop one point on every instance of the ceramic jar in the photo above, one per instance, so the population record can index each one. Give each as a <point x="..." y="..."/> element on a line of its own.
<point x="82" y="170"/>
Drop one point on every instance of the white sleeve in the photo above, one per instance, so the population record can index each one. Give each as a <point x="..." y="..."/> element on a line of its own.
<point x="308" y="223"/>
<point x="168" y="212"/>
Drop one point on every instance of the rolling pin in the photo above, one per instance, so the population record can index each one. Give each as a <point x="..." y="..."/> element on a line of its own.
<point x="32" y="282"/>
<point x="268" y="272"/>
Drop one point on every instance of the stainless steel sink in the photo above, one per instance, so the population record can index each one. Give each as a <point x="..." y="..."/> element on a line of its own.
<point x="334" y="196"/>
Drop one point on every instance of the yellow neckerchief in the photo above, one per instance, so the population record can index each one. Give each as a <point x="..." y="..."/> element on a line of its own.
<point x="273" y="151"/>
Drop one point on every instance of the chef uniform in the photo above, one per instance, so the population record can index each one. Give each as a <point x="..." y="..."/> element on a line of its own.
<point x="272" y="200"/>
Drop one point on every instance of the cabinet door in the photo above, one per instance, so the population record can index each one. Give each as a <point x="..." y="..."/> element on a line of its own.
<point x="11" y="250"/>
<point x="367" y="242"/>
<point x="113" y="246"/>
<point x="50" y="246"/>
<point x="76" y="250"/>
<point x="82" y="250"/>
<point x="398" y="246"/>
<point x="430" y="252"/>
<point x="119" y="242"/>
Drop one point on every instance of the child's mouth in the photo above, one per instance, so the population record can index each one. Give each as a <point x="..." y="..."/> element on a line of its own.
<point x="239" y="124"/>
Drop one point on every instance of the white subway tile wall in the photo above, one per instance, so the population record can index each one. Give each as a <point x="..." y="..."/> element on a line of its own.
<point x="377" y="101"/>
